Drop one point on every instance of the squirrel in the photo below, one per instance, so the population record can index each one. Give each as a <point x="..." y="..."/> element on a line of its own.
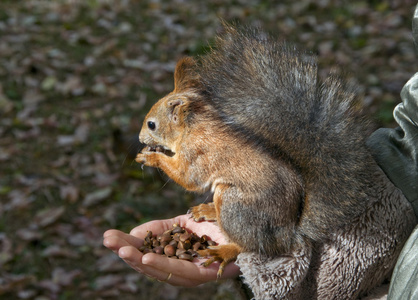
<point x="282" y="151"/>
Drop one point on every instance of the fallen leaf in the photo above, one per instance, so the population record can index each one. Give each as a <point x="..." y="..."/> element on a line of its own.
<point x="49" y="83"/>
<point x="70" y="193"/>
<point x="48" y="216"/>
<point x="59" y="251"/>
<point x="110" y="263"/>
<point x="96" y="197"/>
<point x="78" y="239"/>
<point x="65" y="277"/>
<point x="18" y="200"/>
<point x="6" y="253"/>
<point x="107" y="281"/>
<point x="71" y="86"/>
<point x="28" y="234"/>
<point x="50" y="286"/>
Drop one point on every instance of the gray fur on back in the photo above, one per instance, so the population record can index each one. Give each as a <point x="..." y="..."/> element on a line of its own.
<point x="348" y="265"/>
<point x="269" y="93"/>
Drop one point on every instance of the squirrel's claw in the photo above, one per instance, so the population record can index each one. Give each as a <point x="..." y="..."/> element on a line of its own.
<point x="203" y="212"/>
<point x="221" y="266"/>
<point x="140" y="158"/>
<point x="223" y="253"/>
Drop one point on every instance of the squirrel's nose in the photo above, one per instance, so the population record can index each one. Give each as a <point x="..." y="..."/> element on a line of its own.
<point x="141" y="137"/>
<point x="144" y="137"/>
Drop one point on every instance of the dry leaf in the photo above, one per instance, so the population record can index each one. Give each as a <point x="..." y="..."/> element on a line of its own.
<point x="48" y="216"/>
<point x="70" y="193"/>
<point x="96" y="197"/>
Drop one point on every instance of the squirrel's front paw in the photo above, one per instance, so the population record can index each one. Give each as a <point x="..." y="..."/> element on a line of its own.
<point x="223" y="253"/>
<point x="203" y="212"/>
<point x="147" y="158"/>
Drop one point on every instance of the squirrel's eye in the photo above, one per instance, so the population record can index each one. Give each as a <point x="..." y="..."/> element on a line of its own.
<point x="151" y="125"/>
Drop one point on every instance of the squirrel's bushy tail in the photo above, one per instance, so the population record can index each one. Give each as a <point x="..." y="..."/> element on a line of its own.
<point x="269" y="93"/>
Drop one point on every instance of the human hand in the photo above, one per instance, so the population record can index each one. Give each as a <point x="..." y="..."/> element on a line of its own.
<point x="183" y="273"/>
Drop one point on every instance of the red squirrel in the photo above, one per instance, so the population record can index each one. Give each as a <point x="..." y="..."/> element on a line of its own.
<point x="282" y="151"/>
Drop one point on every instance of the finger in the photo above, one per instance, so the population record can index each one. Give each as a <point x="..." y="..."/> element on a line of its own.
<point x="184" y="273"/>
<point x="111" y="232"/>
<point x="157" y="226"/>
<point x="182" y="268"/>
<point x="114" y="240"/>
<point x="114" y="243"/>
<point x="134" y="259"/>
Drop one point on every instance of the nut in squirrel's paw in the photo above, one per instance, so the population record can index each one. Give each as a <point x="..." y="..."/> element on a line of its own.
<point x="140" y="158"/>
<point x="149" y="155"/>
<point x="147" y="159"/>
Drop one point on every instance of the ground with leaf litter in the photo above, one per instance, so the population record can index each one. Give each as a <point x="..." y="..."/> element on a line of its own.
<point x="76" y="79"/>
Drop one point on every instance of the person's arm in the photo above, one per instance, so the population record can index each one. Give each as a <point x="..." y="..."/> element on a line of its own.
<point x="396" y="151"/>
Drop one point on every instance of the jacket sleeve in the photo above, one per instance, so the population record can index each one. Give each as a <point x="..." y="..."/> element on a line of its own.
<point x="396" y="151"/>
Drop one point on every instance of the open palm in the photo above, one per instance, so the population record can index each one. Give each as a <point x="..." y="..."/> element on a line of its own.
<point x="183" y="272"/>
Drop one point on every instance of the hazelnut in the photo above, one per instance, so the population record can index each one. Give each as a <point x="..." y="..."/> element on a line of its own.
<point x="169" y="250"/>
<point x="211" y="243"/>
<point x="185" y="256"/>
<point x="159" y="250"/>
<point x="196" y="246"/>
<point x="177" y="229"/>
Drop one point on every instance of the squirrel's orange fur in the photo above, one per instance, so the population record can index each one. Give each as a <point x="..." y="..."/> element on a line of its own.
<point x="206" y="155"/>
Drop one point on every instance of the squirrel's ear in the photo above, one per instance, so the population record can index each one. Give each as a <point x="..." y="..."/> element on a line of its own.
<point x="184" y="75"/>
<point x="176" y="109"/>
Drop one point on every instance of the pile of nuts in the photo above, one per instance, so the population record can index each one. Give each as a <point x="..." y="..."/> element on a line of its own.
<point x="176" y="243"/>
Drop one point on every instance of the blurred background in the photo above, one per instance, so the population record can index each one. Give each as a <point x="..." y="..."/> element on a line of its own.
<point x="76" y="79"/>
